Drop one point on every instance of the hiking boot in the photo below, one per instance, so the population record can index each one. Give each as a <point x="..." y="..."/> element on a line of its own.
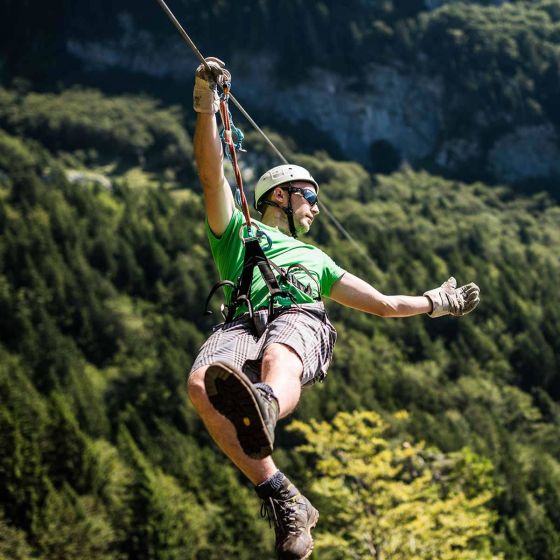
<point x="251" y="409"/>
<point x="293" y="517"/>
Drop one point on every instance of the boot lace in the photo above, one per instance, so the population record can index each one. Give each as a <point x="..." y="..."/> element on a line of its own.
<point x="282" y="513"/>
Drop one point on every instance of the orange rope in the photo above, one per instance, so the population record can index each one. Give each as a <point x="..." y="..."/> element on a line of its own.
<point x="224" y="113"/>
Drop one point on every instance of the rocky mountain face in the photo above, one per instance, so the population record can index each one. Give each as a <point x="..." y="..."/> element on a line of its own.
<point x="392" y="113"/>
<point x="390" y="106"/>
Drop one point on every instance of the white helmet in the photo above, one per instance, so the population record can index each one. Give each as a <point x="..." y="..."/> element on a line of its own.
<point x="279" y="175"/>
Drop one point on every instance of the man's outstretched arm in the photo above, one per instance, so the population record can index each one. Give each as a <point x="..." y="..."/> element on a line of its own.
<point x="208" y="153"/>
<point x="353" y="292"/>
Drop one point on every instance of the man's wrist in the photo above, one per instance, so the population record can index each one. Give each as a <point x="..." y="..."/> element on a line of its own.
<point x="430" y="305"/>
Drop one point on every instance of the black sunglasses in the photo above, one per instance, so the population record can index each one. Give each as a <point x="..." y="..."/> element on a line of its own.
<point x="309" y="194"/>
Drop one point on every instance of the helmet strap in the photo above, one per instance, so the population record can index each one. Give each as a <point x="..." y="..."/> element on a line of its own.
<point x="288" y="210"/>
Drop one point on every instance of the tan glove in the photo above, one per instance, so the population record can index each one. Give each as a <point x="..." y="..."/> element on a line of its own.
<point x="205" y="94"/>
<point x="450" y="300"/>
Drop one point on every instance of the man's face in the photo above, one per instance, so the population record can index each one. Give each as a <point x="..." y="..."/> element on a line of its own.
<point x="304" y="203"/>
<point x="304" y="213"/>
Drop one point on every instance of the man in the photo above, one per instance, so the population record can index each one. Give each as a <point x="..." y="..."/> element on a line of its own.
<point x="250" y="373"/>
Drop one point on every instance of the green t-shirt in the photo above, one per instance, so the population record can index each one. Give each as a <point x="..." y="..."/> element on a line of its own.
<point x="228" y="252"/>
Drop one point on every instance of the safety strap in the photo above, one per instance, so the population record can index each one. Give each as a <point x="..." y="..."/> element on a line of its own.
<point x="228" y="140"/>
<point x="276" y="278"/>
<point x="254" y="257"/>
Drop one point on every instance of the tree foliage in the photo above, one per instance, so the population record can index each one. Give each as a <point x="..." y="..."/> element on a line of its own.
<point x="131" y="128"/>
<point x="383" y="498"/>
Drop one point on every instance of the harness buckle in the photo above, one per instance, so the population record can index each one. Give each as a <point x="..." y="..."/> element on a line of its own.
<point x="259" y="234"/>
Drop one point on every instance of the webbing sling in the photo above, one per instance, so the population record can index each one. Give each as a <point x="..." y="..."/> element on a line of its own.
<point x="253" y="257"/>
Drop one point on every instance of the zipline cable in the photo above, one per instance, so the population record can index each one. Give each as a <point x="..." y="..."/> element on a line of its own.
<point x="198" y="55"/>
<point x="202" y="60"/>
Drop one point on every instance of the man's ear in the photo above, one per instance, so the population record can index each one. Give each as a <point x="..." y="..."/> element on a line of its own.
<point x="278" y="195"/>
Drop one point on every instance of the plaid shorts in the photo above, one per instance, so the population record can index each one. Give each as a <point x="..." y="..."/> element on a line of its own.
<point x="305" y="328"/>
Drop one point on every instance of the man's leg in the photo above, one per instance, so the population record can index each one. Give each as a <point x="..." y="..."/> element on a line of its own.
<point x="223" y="432"/>
<point x="293" y="515"/>
<point x="282" y="370"/>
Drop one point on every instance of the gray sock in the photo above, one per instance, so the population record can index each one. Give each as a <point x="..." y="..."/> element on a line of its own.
<point x="270" y="486"/>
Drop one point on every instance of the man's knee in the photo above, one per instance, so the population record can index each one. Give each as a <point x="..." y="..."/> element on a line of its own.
<point x="281" y="354"/>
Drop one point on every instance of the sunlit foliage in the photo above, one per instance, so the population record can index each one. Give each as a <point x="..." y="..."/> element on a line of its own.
<point x="385" y="498"/>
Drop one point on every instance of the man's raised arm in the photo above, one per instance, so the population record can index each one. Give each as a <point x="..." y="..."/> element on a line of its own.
<point x="218" y="199"/>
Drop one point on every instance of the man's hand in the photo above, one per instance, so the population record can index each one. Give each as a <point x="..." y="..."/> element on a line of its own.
<point x="205" y="94"/>
<point x="450" y="300"/>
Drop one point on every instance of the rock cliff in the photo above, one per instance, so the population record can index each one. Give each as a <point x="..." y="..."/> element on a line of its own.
<point x="397" y="109"/>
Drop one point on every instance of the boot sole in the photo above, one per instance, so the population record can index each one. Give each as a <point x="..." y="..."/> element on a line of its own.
<point x="231" y="394"/>
<point x="314" y="520"/>
<point x="311" y="526"/>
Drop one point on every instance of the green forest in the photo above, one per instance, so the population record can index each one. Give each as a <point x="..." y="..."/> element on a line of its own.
<point x="429" y="439"/>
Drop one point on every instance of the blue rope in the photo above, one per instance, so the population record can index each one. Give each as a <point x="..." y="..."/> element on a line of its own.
<point x="236" y="193"/>
<point x="236" y="135"/>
